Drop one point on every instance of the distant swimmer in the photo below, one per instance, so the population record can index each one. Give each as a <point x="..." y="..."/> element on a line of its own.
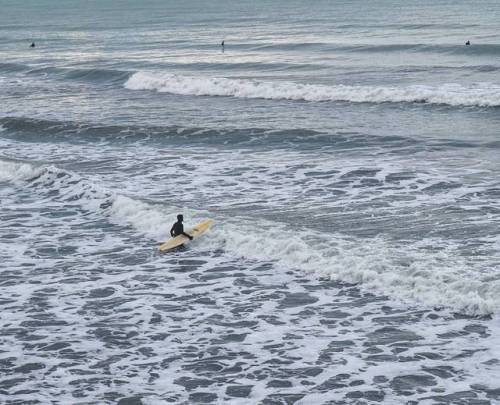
<point x="178" y="228"/>
<point x="222" y="46"/>
<point x="32" y="45"/>
<point x="467" y="43"/>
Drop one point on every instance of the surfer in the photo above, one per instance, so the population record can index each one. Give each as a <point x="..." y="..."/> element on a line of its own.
<point x="467" y="43"/>
<point x="178" y="228"/>
<point x="222" y="46"/>
<point x="32" y="45"/>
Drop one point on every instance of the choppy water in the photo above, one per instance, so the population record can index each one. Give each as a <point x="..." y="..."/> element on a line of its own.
<point x="351" y="161"/>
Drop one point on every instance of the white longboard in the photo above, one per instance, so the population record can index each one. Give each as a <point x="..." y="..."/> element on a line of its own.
<point x="179" y="240"/>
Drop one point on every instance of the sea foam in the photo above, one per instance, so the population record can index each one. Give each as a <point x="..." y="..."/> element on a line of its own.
<point x="481" y="94"/>
<point x="407" y="272"/>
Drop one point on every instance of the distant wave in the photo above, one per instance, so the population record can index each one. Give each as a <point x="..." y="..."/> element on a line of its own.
<point x="460" y="49"/>
<point x="332" y="47"/>
<point x="482" y="95"/>
<point x="83" y="74"/>
<point x="112" y="75"/>
<point x="90" y="75"/>
<point x="405" y="272"/>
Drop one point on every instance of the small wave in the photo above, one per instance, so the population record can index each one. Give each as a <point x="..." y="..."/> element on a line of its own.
<point x="451" y="49"/>
<point x="480" y="95"/>
<point x="475" y="49"/>
<point x="87" y="75"/>
<point x="331" y="47"/>
<point x="417" y="272"/>
<point x="77" y="74"/>
<point x="97" y="75"/>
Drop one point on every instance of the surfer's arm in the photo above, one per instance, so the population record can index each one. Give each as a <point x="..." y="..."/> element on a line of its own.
<point x="172" y="231"/>
<point x="189" y="236"/>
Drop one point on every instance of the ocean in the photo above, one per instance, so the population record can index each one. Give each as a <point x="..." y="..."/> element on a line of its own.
<point x="348" y="152"/>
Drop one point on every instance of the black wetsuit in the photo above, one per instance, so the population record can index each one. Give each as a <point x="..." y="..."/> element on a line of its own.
<point x="178" y="229"/>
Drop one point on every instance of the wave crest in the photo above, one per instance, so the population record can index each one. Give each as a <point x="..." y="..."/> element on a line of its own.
<point x="480" y="95"/>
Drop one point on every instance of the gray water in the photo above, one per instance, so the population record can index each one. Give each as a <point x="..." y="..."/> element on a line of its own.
<point x="348" y="153"/>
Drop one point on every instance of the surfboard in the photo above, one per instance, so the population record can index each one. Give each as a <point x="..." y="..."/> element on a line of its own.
<point x="196" y="231"/>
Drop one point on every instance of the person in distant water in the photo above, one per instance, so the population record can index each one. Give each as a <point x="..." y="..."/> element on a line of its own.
<point x="222" y="45"/>
<point x="467" y="43"/>
<point x="178" y="228"/>
<point x="32" y="45"/>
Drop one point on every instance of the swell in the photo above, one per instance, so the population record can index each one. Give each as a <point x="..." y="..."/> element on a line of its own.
<point x="97" y="75"/>
<point x="89" y="75"/>
<point x="431" y="48"/>
<point x="407" y="272"/>
<point x="38" y="130"/>
<point x="447" y="49"/>
<point x="437" y="49"/>
<point x="476" y="95"/>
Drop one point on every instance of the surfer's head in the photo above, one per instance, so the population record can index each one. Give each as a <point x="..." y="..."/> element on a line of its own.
<point x="180" y="218"/>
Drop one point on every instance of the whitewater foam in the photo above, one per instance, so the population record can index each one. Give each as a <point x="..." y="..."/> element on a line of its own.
<point x="482" y="94"/>
<point x="12" y="170"/>
<point x="406" y="272"/>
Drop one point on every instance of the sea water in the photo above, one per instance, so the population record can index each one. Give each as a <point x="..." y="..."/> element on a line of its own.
<point x="349" y="153"/>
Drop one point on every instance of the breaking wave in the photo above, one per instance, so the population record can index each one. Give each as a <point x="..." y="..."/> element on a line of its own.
<point x="480" y="95"/>
<point x="407" y="272"/>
